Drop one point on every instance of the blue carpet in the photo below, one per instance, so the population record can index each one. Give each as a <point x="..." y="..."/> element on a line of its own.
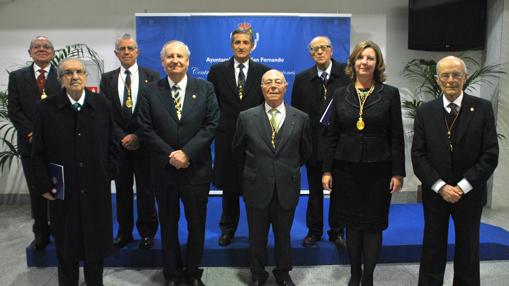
<point x="401" y="242"/>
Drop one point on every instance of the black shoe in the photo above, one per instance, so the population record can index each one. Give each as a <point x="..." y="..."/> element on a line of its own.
<point x="122" y="241"/>
<point x="286" y="282"/>
<point x="194" y="282"/>
<point x="225" y="239"/>
<point x="40" y="242"/>
<point x="310" y="240"/>
<point x="256" y="283"/>
<point x="146" y="242"/>
<point x="338" y="240"/>
<point x="172" y="282"/>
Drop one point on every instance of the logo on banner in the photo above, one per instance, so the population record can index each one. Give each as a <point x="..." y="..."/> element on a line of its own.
<point x="247" y="26"/>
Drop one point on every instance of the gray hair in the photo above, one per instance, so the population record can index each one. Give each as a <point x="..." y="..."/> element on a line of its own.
<point x="125" y="36"/>
<point x="320" y="37"/>
<point x="242" y="31"/>
<point x="60" y="70"/>
<point x="40" y="38"/>
<point x="188" y="51"/>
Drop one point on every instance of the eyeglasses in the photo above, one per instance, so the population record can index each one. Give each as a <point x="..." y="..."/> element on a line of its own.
<point x="455" y="75"/>
<point x="276" y="82"/>
<point x="71" y="73"/>
<point x="128" y="48"/>
<point x="315" y="49"/>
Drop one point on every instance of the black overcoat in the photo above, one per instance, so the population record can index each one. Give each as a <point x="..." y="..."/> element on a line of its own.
<point x="84" y="143"/>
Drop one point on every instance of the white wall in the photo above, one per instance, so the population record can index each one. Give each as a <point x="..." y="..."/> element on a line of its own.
<point x="497" y="51"/>
<point x="99" y="22"/>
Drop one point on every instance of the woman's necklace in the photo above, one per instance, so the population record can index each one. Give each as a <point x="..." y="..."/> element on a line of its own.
<point x="362" y="96"/>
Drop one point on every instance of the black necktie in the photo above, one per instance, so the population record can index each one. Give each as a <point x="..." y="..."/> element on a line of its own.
<point x="323" y="77"/>
<point x="76" y="106"/>
<point x="241" y="81"/>
<point x="127" y="102"/>
<point x="454" y="109"/>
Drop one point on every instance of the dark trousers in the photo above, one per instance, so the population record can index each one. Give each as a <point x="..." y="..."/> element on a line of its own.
<point x="259" y="220"/>
<point x="194" y="199"/>
<point x="314" y="212"/>
<point x="434" y="249"/>
<point x="134" y="164"/>
<point x="231" y="211"/>
<point x="38" y="204"/>
<point x="68" y="272"/>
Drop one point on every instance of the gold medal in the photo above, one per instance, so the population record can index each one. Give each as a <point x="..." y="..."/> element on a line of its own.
<point x="360" y="124"/>
<point x="362" y="97"/>
<point x="43" y="95"/>
<point x="129" y="102"/>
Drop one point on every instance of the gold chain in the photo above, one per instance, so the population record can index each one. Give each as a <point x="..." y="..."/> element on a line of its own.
<point x="362" y="96"/>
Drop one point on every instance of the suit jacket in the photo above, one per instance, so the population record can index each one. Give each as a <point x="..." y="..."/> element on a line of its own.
<point x="382" y="139"/>
<point x="85" y="144"/>
<point x="307" y="96"/>
<point x="475" y="154"/>
<point x="265" y="169"/>
<point x="109" y="87"/>
<point x="222" y="76"/>
<point x="23" y="96"/>
<point x="164" y="133"/>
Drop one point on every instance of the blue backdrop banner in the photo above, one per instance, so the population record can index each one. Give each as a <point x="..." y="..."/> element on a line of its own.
<point x="281" y="40"/>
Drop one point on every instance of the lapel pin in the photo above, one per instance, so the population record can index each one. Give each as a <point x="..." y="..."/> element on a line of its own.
<point x="471" y="109"/>
<point x="194" y="96"/>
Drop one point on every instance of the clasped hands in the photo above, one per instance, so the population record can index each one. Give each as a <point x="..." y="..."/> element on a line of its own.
<point x="130" y="142"/>
<point x="179" y="159"/>
<point x="451" y="194"/>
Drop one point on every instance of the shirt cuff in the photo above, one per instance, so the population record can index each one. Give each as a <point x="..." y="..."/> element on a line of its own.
<point x="438" y="185"/>
<point x="465" y="186"/>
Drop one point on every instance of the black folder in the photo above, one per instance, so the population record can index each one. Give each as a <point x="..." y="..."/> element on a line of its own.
<point x="56" y="173"/>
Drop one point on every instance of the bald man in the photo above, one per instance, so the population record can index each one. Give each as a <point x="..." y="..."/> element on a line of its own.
<point x="272" y="141"/>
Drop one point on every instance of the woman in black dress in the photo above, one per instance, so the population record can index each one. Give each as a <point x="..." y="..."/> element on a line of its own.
<point x="365" y="160"/>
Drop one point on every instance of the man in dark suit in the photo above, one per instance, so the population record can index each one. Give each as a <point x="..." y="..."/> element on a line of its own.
<point x="27" y="87"/>
<point x="273" y="141"/>
<point x="75" y="130"/>
<point x="313" y="90"/>
<point x="454" y="153"/>
<point x="237" y="87"/>
<point x="123" y="87"/>
<point x="179" y="116"/>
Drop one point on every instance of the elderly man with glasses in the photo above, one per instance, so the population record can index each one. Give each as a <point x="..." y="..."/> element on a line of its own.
<point x="75" y="157"/>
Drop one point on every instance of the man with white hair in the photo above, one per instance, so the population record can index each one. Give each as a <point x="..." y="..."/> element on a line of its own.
<point x="179" y="116"/>
<point x="454" y="153"/>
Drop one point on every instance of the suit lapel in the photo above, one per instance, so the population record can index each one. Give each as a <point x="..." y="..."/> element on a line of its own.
<point x="30" y="78"/>
<point x="375" y="97"/>
<point x="437" y="118"/>
<point x="190" y="96"/>
<point x="165" y="98"/>
<point x="142" y="81"/>
<point x="467" y="112"/>
<point x="286" y="129"/>
<point x="114" y="88"/>
<point x="52" y="80"/>
<point x="251" y="76"/>
<point x="351" y="96"/>
<point x="263" y="126"/>
<point x="229" y="76"/>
